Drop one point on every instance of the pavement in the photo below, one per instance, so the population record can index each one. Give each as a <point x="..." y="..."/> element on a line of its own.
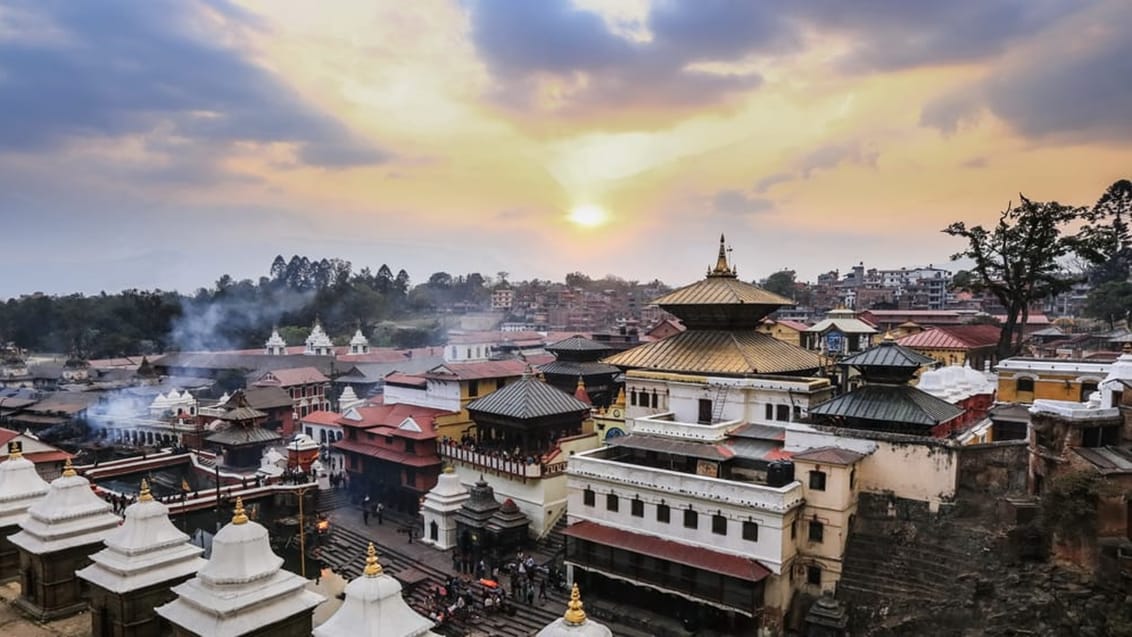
<point x="390" y="533"/>
<point x="13" y="623"/>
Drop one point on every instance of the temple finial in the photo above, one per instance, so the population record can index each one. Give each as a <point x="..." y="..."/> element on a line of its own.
<point x="373" y="567"/>
<point x="239" y="516"/>
<point x="15" y="450"/>
<point x="69" y="469"/>
<point x="721" y="266"/>
<point x="144" y="495"/>
<point x="574" y="613"/>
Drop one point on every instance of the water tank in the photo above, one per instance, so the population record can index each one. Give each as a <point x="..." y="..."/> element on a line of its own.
<point x="780" y="473"/>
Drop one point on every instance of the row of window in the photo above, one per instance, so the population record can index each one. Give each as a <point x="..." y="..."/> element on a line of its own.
<point x="719" y="523"/>
<point x="783" y="412"/>
<point x="322" y="435"/>
<point x="643" y="398"/>
<point x="474" y="387"/>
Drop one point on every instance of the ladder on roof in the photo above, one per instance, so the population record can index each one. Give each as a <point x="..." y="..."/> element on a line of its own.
<point x="717" y="403"/>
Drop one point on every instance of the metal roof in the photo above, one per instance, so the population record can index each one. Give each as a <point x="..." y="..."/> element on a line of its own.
<point x="829" y="455"/>
<point x="673" y="446"/>
<point x="889" y="403"/>
<point x="236" y="436"/>
<point x="527" y="399"/>
<point x="843" y="325"/>
<point x="577" y="343"/>
<point x="888" y="354"/>
<point x="578" y="368"/>
<point x="728" y="352"/>
<point x="722" y="291"/>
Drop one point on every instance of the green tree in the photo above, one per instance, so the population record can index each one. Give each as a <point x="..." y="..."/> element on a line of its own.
<point x="1105" y="240"/>
<point x="782" y="283"/>
<point x="1018" y="260"/>
<point x="1110" y="301"/>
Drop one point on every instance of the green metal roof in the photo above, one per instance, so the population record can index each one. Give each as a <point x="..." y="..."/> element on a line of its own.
<point x="527" y="399"/>
<point x="889" y="403"/>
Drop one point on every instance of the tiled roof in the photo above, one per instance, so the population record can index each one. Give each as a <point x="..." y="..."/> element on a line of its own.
<point x="953" y="337"/>
<point x="888" y="354"/>
<point x="237" y="436"/>
<point x="291" y="376"/>
<point x="731" y="352"/>
<point x="474" y="371"/>
<point x="397" y="378"/>
<point x="375" y="356"/>
<point x="267" y="398"/>
<point x="721" y="291"/>
<point x="526" y="399"/>
<point x="889" y="403"/>
<point x="829" y="455"/>
<point x="759" y="432"/>
<point x="384" y="453"/>
<point x="321" y="417"/>
<point x="392" y="416"/>
<point x="577" y="343"/>
<point x="679" y="552"/>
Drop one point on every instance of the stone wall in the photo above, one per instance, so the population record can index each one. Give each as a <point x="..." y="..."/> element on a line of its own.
<point x="994" y="469"/>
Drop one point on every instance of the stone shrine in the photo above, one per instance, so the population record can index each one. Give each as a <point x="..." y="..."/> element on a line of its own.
<point x="439" y="510"/>
<point x="20" y="487"/>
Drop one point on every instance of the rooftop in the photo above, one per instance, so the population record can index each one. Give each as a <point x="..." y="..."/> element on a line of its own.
<point x="724" y="352"/>
<point x="527" y="399"/>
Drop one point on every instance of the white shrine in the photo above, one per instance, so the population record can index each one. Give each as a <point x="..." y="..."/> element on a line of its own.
<point x="359" y="344"/>
<point x="349" y="398"/>
<point x="574" y="622"/>
<point x="143" y="559"/>
<point x="242" y="589"/>
<point x="275" y="345"/>
<point x="175" y="403"/>
<point x="60" y="533"/>
<point x="20" y="487"/>
<point x="374" y="607"/>
<point x="319" y="343"/>
<point x="440" y="507"/>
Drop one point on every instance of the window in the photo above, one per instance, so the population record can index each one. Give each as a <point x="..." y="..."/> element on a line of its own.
<point x="611" y="502"/>
<point x="310" y="432"/>
<point x="410" y="446"/>
<point x="797" y="412"/>
<point x="853" y="478"/>
<point x="389" y="440"/>
<point x="588" y="497"/>
<point x="817" y="531"/>
<point x="813" y="575"/>
<point x="633" y="397"/>
<point x="719" y="524"/>
<point x="1100" y="436"/>
<point x="817" y="480"/>
<point x="1025" y="384"/>
<point x="473" y="388"/>
<point x="751" y="531"/>
<point x="663" y="513"/>
<point x="705" y="411"/>
<point x="793" y="529"/>
<point x="691" y="519"/>
<point x="769" y="411"/>
<point x="654" y="401"/>
<point x="500" y="383"/>
<point x="638" y="508"/>
<point x="1087" y="388"/>
<point x="783" y="412"/>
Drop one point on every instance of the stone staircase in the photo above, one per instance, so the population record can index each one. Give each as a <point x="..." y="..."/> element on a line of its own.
<point x="330" y="499"/>
<point x="883" y="568"/>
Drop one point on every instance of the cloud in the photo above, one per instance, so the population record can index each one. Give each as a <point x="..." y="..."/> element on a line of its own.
<point x="551" y="52"/>
<point x="766" y="183"/>
<point x="831" y="155"/>
<point x="1078" y="91"/>
<point x="734" y="202"/>
<point x="112" y="69"/>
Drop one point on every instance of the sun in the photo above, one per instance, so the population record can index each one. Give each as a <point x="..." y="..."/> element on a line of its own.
<point x="588" y="216"/>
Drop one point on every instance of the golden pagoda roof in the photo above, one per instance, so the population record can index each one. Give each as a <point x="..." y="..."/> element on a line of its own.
<point x="728" y="352"/>
<point x="718" y="289"/>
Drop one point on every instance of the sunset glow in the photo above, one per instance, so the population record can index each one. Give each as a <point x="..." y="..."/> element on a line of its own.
<point x="588" y="216"/>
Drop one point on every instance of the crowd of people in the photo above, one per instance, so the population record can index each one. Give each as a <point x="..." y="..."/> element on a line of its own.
<point x="494" y="450"/>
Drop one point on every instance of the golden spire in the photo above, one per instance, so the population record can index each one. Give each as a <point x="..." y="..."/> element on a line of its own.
<point x="144" y="495"/>
<point x="581" y="383"/>
<point x="69" y="469"/>
<point x="449" y="469"/>
<point x="721" y="267"/>
<point x="888" y="337"/>
<point x="620" y="397"/>
<point x="574" y="613"/>
<point x="239" y="516"/>
<point x="373" y="568"/>
<point x="15" y="450"/>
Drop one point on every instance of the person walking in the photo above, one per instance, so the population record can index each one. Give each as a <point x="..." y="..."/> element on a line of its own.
<point x="542" y="590"/>
<point x="380" y="514"/>
<point x="365" y="510"/>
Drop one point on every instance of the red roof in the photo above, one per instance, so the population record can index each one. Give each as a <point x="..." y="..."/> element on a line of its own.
<point x="376" y="356"/>
<point x="292" y="376"/>
<point x="384" y="453"/>
<point x="953" y="337"/>
<point x="397" y="378"/>
<point x="695" y="556"/>
<point x="483" y="369"/>
<point x="829" y="455"/>
<point x="391" y="416"/>
<point x="326" y="418"/>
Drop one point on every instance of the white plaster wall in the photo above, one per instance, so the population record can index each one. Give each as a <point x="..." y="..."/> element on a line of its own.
<point x="439" y="394"/>
<point x="540" y="500"/>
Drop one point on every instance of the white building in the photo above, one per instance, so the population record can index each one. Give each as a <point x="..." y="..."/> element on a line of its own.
<point x="319" y="343"/>
<point x="275" y="345"/>
<point x="439" y="510"/>
<point x="374" y="607"/>
<point x="359" y="344"/>
<point x="502" y="299"/>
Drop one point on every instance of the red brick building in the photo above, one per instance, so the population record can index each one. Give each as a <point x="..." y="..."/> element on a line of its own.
<point x="306" y="386"/>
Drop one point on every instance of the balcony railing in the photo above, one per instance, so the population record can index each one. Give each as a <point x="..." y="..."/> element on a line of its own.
<point x="501" y="465"/>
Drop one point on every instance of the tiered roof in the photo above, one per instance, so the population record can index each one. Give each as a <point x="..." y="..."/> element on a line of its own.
<point x="241" y="588"/>
<point x="374" y="607"/>
<point x="527" y="399"/>
<point x="146" y="550"/>
<point x="20" y="486"/>
<point x="69" y="516"/>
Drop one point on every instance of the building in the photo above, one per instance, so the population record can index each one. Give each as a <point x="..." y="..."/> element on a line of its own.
<point x="359" y="344"/>
<point x="784" y="330"/>
<point x="502" y="299"/>
<point x="439" y="510"/>
<point x="143" y="559"/>
<point x="374" y="607"/>
<point x="275" y="345"/>
<point x="841" y="333"/>
<point x="683" y="516"/>
<point x="973" y="345"/>
<point x="577" y="358"/>
<point x="242" y="590"/>
<point x="305" y="385"/>
<point x="1024" y="380"/>
<point x="318" y="343"/>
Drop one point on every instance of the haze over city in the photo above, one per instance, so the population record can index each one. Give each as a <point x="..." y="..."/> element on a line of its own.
<point x="162" y="144"/>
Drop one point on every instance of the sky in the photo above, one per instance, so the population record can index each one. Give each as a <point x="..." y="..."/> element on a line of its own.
<point x="161" y="144"/>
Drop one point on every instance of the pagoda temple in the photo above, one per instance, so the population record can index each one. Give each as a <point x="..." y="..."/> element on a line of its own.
<point x="440" y="507"/>
<point x="528" y="415"/>
<point x="242" y="591"/>
<point x="20" y="487"/>
<point x="576" y="358"/>
<point x="885" y="400"/>
<point x="143" y="559"/>
<point x="240" y="435"/>
<point x="374" y="607"/>
<point x="60" y="533"/>
<point x="574" y="622"/>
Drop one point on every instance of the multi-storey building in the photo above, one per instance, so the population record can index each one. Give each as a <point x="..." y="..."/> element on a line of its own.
<point x="689" y="514"/>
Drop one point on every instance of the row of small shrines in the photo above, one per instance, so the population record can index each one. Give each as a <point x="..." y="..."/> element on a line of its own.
<point x="140" y="576"/>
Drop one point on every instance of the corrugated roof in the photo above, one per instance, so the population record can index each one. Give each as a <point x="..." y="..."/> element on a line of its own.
<point x="728" y="352"/>
<point x="843" y="325"/>
<point x="888" y="354"/>
<point x="953" y="337"/>
<point x="722" y="291"/>
<point x="577" y="343"/>
<point x="290" y="376"/>
<point x="266" y="398"/>
<point x="526" y="399"/>
<point x="578" y="368"/>
<point x="243" y="436"/>
<point x="759" y="432"/>
<point x="679" y="552"/>
<point x="889" y="403"/>
<point x="829" y="455"/>
<point x="674" y="446"/>
<point x="484" y="369"/>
